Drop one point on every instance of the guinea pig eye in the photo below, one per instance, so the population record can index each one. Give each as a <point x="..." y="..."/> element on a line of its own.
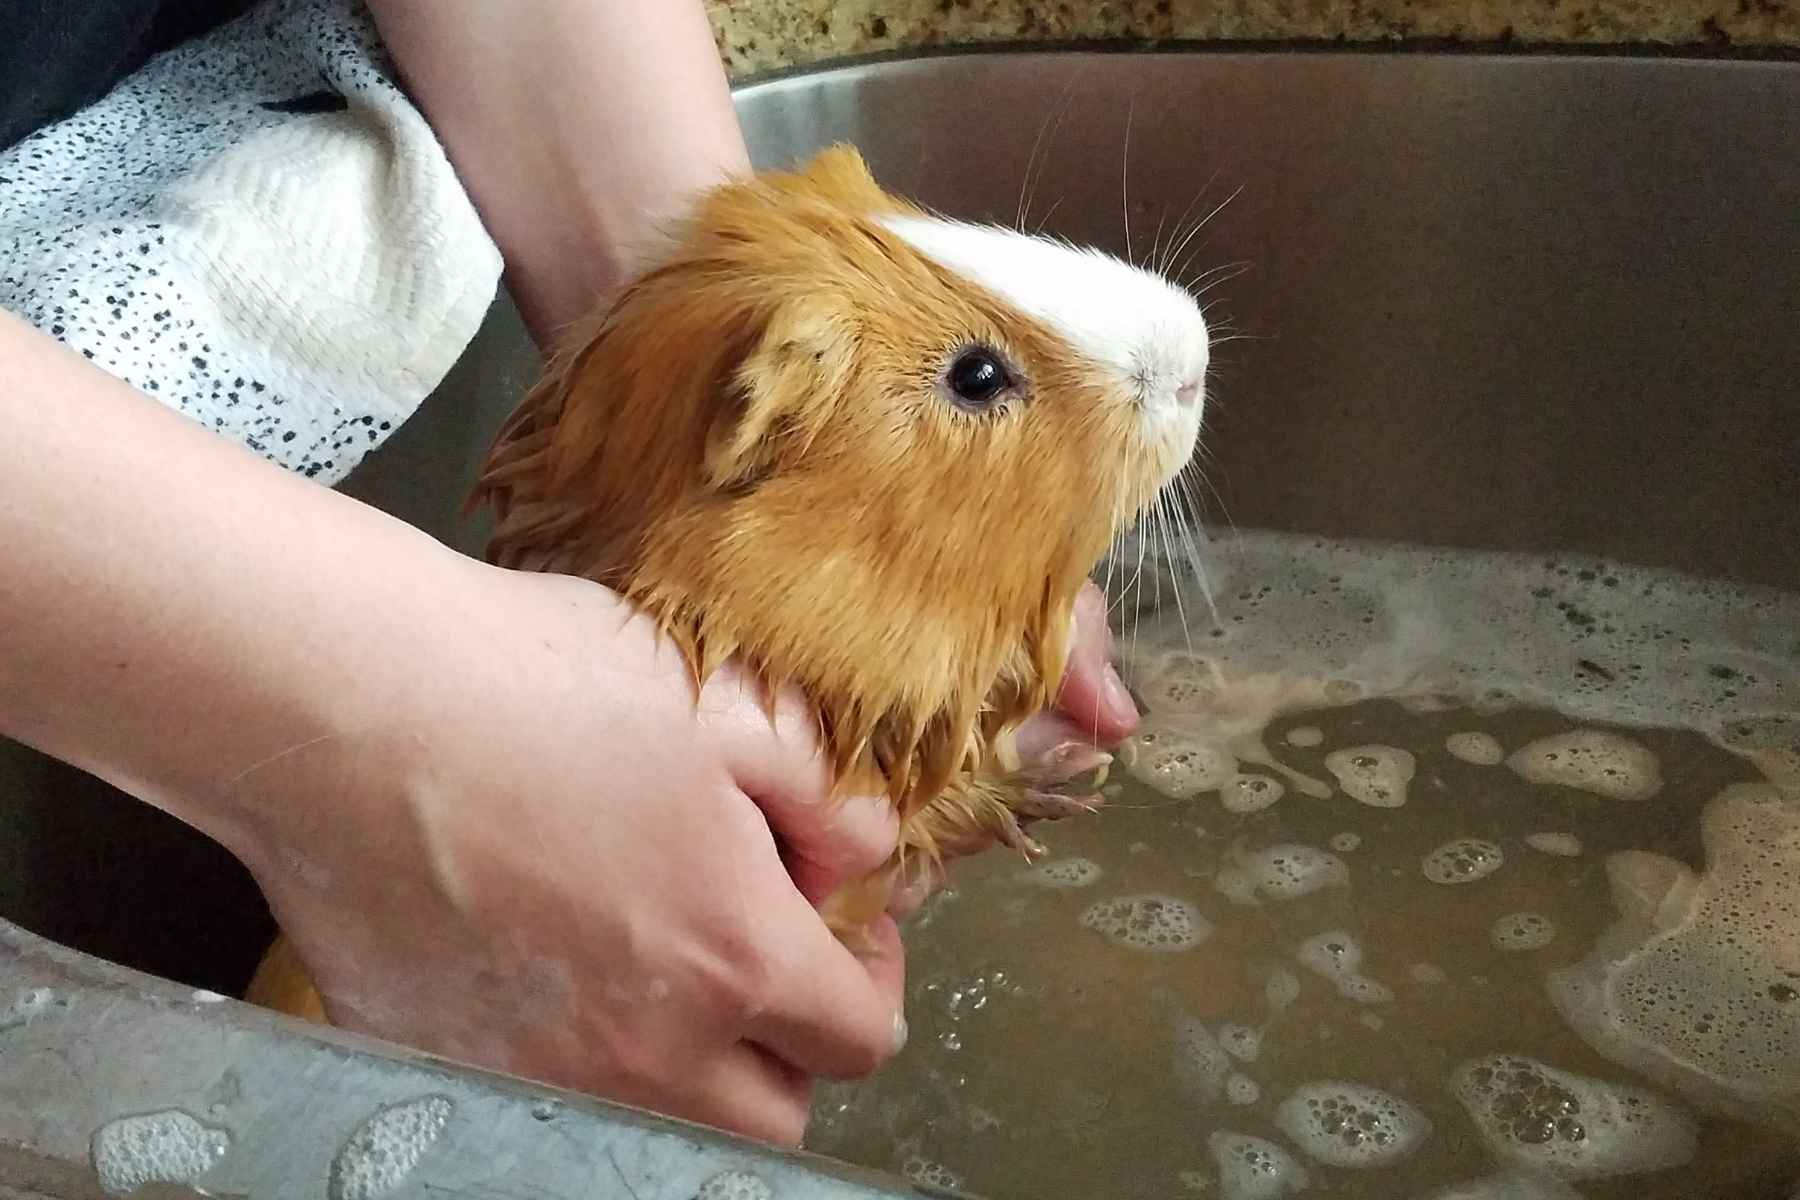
<point x="976" y="378"/>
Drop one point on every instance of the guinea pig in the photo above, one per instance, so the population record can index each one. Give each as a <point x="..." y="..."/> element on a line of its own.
<point x="872" y="452"/>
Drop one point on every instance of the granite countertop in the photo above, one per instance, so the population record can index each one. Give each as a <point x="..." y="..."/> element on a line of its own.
<point x="763" y="35"/>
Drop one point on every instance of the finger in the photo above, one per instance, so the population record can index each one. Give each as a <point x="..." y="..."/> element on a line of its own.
<point x="1092" y="694"/>
<point x="1046" y="731"/>
<point x="746" y="1091"/>
<point x="826" y="841"/>
<point x="836" y="1015"/>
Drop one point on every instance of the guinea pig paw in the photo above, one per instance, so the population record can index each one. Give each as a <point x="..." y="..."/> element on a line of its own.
<point x="1012" y="835"/>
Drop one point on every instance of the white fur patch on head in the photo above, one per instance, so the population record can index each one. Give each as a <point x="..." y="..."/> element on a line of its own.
<point x="1128" y="321"/>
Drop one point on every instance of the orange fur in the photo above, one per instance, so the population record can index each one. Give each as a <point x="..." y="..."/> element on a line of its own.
<point x="751" y="444"/>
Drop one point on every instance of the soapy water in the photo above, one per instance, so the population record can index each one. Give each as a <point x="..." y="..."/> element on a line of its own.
<point x="385" y="1149"/>
<point x="165" y="1147"/>
<point x="1521" y="920"/>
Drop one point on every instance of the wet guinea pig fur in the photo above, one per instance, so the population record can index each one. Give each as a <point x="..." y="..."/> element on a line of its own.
<point x="873" y="453"/>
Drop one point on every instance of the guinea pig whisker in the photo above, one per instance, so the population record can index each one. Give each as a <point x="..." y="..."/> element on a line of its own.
<point x="1048" y="213"/>
<point x="1190" y="541"/>
<point x="1214" y="276"/>
<point x="1125" y="177"/>
<point x="1202" y="222"/>
<point x="1162" y="505"/>
<point x="1051" y="123"/>
<point x="1181" y="225"/>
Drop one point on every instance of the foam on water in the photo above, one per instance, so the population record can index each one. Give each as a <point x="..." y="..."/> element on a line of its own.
<point x="1377" y="776"/>
<point x="1281" y="989"/>
<point x="387" y="1147"/>
<point x="1158" y="923"/>
<point x="1242" y="1042"/>
<point x="1562" y="845"/>
<point x="1660" y="648"/>
<point x="1481" y="749"/>
<point x="734" y="1185"/>
<point x="927" y="1173"/>
<point x="1200" y="1065"/>
<point x="1253" y="1168"/>
<point x="1522" y="931"/>
<point x="1071" y="872"/>
<point x="1333" y="954"/>
<point x="1351" y="1125"/>
<point x="1250" y="793"/>
<point x="1281" y="872"/>
<point x="1462" y="860"/>
<point x="1469" y="663"/>
<point x="167" y="1147"/>
<point x="1535" y="1117"/>
<point x="1605" y="764"/>
<point x="1508" y="1185"/>
<point x="1698" y="983"/>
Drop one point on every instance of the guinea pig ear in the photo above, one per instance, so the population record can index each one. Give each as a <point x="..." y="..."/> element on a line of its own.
<point x="783" y="392"/>
<point x="840" y="174"/>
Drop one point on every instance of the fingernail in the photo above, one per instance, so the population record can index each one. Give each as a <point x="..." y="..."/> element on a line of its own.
<point x="899" y="1032"/>
<point x="1118" y="699"/>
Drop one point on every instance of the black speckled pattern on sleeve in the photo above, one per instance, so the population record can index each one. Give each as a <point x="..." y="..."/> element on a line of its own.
<point x="258" y="229"/>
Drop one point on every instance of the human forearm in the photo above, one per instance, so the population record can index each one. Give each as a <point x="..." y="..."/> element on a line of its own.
<point x="173" y="609"/>
<point x="575" y="131"/>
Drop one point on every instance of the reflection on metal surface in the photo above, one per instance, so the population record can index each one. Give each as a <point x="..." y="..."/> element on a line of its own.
<point x="122" y="1084"/>
<point x="1545" y="303"/>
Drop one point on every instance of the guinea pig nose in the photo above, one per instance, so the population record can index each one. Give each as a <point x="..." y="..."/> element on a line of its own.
<point x="1188" y="393"/>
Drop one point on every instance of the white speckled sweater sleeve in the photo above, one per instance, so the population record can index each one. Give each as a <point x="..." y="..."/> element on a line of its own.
<point x="222" y="231"/>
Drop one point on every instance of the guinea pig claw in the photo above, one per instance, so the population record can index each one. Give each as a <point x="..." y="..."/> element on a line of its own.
<point x="1038" y="805"/>
<point x="1064" y="762"/>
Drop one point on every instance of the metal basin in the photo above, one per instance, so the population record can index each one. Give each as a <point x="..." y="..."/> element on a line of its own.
<point x="1544" y="303"/>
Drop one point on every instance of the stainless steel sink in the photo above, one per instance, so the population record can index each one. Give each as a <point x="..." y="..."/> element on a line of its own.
<point x="1520" y="302"/>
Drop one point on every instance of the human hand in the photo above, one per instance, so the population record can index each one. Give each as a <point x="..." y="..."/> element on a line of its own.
<point x="538" y="856"/>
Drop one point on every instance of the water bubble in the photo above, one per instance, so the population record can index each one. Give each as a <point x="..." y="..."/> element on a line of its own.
<point x="1562" y="845"/>
<point x="1072" y="872"/>
<point x="1251" y="793"/>
<point x="168" y="1147"/>
<point x="1242" y="1042"/>
<point x="1199" y="1064"/>
<point x="1282" y="872"/>
<point x="1155" y="923"/>
<point x="1522" y="931"/>
<point x="1253" y="1168"/>
<point x="734" y="1185"/>
<point x="1242" y="1090"/>
<point x="1463" y="860"/>
<point x="1535" y="1117"/>
<point x="1351" y="1125"/>
<point x="1428" y="974"/>
<point x="1346" y="842"/>
<point x="1377" y="776"/>
<point x="926" y="1173"/>
<point x="1281" y="989"/>
<point x="1608" y="765"/>
<point x="1477" y="748"/>
<point x="1363" y="989"/>
<point x="1305" y="736"/>
<point x="386" y="1148"/>
<point x="1333" y="954"/>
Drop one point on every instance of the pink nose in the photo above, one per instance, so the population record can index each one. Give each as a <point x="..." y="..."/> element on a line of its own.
<point x="1188" y="393"/>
